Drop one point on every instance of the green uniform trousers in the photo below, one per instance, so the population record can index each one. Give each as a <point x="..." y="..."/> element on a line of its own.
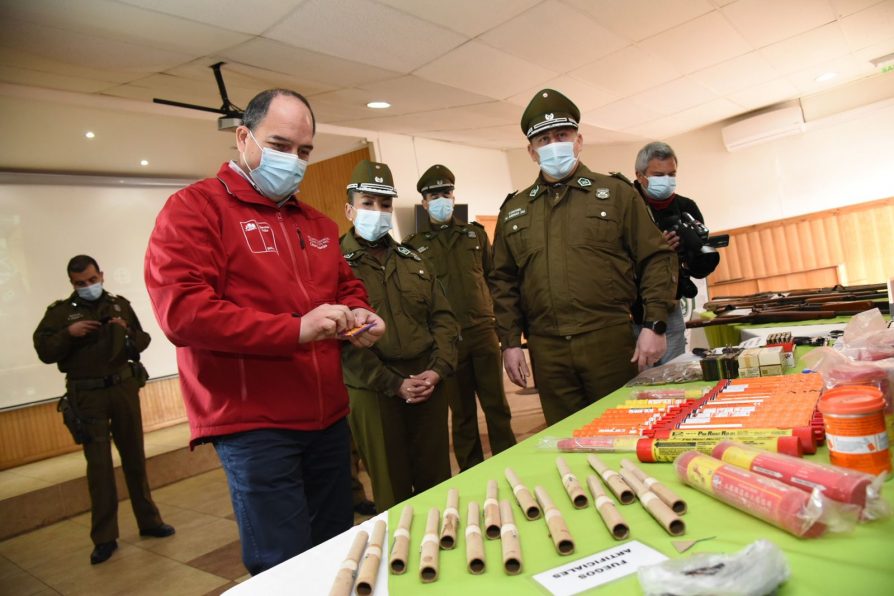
<point x="115" y="411"/>
<point x="479" y="370"/>
<point x="405" y="447"/>
<point x="574" y="371"/>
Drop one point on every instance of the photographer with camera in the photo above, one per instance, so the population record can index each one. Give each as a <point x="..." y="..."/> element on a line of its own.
<point x="681" y="223"/>
<point x="95" y="338"/>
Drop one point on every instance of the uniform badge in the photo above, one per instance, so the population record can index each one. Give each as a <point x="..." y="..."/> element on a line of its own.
<point x="117" y="308"/>
<point x="584" y="182"/>
<point x="379" y="179"/>
<point x="407" y="252"/>
<point x="348" y="256"/>
<point x="471" y="234"/>
<point x="517" y="212"/>
<point x="75" y="316"/>
<point x="601" y="193"/>
<point x="534" y="191"/>
<point x="422" y="249"/>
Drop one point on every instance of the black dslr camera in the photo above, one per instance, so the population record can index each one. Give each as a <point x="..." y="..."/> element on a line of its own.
<point x="694" y="236"/>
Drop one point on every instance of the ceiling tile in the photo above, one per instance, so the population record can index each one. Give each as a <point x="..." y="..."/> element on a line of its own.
<point x="469" y="17"/>
<point x="764" y="94"/>
<point x="738" y="73"/>
<point x="414" y="94"/>
<point x="245" y="77"/>
<point x="126" y="23"/>
<point x="686" y="120"/>
<point x="639" y="19"/>
<point x="846" y="69"/>
<point x="26" y="60"/>
<point x="697" y="44"/>
<point x="36" y="78"/>
<point x="620" y="115"/>
<point x="187" y="90"/>
<point x="468" y="117"/>
<point x="495" y="73"/>
<point x="585" y="96"/>
<point x="675" y="96"/>
<point x="789" y="18"/>
<point x="593" y="135"/>
<point x="870" y="26"/>
<point x="875" y="51"/>
<point x="235" y="15"/>
<point x="628" y="71"/>
<point x="494" y="137"/>
<point x="583" y="39"/>
<point x="360" y="30"/>
<point x="845" y="7"/>
<point x="814" y="47"/>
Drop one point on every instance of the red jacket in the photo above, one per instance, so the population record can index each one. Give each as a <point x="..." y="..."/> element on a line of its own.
<point x="230" y="274"/>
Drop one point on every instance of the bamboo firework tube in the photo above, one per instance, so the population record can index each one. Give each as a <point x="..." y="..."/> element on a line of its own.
<point x="400" y="550"/>
<point x="429" y="562"/>
<point x="661" y="491"/>
<point x="474" y="541"/>
<point x="607" y="511"/>
<point x="451" y="520"/>
<point x="558" y="529"/>
<point x="512" y="556"/>
<point x="344" y="579"/>
<point x="614" y="482"/>
<point x="492" y="511"/>
<point x="523" y="496"/>
<point x="663" y="514"/>
<point x="369" y="567"/>
<point x="572" y="486"/>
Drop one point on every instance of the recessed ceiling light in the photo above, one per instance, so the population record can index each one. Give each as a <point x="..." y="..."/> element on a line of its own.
<point x="144" y="162"/>
<point x="378" y="105"/>
<point x="826" y="76"/>
<point x="89" y="134"/>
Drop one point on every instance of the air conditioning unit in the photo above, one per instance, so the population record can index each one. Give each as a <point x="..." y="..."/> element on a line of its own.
<point x="763" y="127"/>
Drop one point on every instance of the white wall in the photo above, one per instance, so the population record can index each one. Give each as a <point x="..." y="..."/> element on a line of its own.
<point x="832" y="164"/>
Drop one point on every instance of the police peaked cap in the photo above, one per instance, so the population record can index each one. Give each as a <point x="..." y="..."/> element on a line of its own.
<point x="434" y="178"/>
<point x="549" y="109"/>
<point x="372" y="177"/>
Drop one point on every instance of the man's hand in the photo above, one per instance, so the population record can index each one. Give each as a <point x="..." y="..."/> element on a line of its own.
<point x="672" y="239"/>
<point x="82" y="328"/>
<point x="416" y="389"/>
<point x="325" y="322"/>
<point x="119" y="321"/>
<point x="371" y="335"/>
<point x="516" y="366"/>
<point x="650" y="347"/>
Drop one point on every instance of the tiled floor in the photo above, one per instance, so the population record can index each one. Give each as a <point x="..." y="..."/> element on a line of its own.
<point x="203" y="557"/>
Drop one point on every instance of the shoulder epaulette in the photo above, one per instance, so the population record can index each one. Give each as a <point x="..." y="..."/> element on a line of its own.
<point x="409" y="237"/>
<point x="476" y="224"/>
<point x="407" y="253"/>
<point x="55" y="304"/>
<point x="621" y="177"/>
<point x="509" y="196"/>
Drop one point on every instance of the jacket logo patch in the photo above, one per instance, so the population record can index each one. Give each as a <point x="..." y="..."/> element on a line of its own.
<point x="584" y="182"/>
<point x="601" y="193"/>
<point x="75" y="316"/>
<point x="517" y="212"/>
<point x="259" y="236"/>
<point x="320" y="243"/>
<point x="379" y="179"/>
<point x="549" y="116"/>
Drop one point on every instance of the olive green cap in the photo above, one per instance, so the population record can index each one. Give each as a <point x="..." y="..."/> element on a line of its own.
<point x="548" y="109"/>
<point x="372" y="177"/>
<point x="435" y="177"/>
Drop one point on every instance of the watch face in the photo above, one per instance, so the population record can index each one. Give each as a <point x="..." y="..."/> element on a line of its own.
<point x="659" y="327"/>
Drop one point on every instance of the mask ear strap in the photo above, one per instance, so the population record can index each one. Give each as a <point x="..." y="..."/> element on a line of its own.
<point x="242" y="154"/>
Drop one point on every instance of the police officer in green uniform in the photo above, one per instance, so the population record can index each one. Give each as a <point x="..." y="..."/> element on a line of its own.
<point x="398" y="406"/>
<point x="570" y="252"/>
<point x="95" y="338"/>
<point x="460" y="254"/>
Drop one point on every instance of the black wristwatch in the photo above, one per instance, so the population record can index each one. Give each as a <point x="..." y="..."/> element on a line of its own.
<point x="657" y="327"/>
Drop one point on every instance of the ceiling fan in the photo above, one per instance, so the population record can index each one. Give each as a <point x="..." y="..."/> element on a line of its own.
<point x="232" y="115"/>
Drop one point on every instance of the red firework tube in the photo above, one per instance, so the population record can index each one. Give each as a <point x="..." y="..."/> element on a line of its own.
<point x="783" y="506"/>
<point x="838" y="484"/>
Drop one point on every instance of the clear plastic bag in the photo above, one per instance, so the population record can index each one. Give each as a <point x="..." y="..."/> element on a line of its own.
<point x="867" y="337"/>
<point x="672" y="372"/>
<point x="599" y="444"/>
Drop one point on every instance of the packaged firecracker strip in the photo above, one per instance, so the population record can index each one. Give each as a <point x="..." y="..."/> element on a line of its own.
<point x="802" y="514"/>
<point x="839" y="484"/>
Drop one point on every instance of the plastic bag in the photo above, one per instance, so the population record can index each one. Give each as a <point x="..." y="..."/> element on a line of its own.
<point x="867" y="337"/>
<point x="672" y="372"/>
<point x="600" y="444"/>
<point x="756" y="570"/>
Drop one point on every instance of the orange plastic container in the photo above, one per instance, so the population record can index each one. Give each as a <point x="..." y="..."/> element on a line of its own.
<point x="855" y="428"/>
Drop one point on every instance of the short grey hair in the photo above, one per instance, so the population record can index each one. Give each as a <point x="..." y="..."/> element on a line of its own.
<point x="656" y="150"/>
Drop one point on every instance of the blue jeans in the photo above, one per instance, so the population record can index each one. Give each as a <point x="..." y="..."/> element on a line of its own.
<point x="675" y="334"/>
<point x="291" y="490"/>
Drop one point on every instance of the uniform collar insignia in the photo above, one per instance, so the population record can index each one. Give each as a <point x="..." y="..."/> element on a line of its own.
<point x="534" y="191"/>
<point x="584" y="181"/>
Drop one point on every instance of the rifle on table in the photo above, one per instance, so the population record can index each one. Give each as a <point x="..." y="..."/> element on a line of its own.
<point x="784" y="314"/>
<point x="759" y="300"/>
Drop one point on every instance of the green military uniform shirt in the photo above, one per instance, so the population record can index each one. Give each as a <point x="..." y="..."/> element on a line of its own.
<point x="98" y="354"/>
<point x="417" y="315"/>
<point x="460" y="254"/>
<point x="568" y="258"/>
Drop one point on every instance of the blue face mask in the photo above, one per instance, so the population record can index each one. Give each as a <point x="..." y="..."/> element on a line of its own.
<point x="661" y="187"/>
<point x="372" y="225"/>
<point x="441" y="209"/>
<point x="279" y="174"/>
<point x="557" y="160"/>
<point x="90" y="293"/>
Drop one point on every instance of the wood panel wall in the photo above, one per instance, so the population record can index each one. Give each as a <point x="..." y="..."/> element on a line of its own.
<point x="324" y="185"/>
<point x="849" y="245"/>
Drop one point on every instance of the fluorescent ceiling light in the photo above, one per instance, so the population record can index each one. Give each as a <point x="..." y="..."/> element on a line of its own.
<point x="826" y="76"/>
<point x="378" y="105"/>
<point x="89" y="134"/>
<point x="144" y="162"/>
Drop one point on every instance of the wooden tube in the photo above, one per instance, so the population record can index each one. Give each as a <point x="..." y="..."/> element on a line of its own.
<point x="614" y="482"/>
<point x="523" y="496"/>
<point x="474" y="541"/>
<point x="572" y="486"/>
<point x="512" y="555"/>
<point x="558" y="529"/>
<point x="607" y="511"/>
<point x="492" y="511"/>
<point x="663" y="514"/>
<point x="450" y="521"/>
<point x="344" y="579"/>
<point x="400" y="549"/>
<point x="369" y="567"/>
<point x="429" y="562"/>
<point x="661" y="491"/>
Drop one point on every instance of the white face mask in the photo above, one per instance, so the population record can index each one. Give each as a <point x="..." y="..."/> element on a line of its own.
<point x="279" y="174"/>
<point x="557" y="160"/>
<point x="90" y="293"/>
<point x="440" y="209"/>
<point x="661" y="187"/>
<point x="372" y="225"/>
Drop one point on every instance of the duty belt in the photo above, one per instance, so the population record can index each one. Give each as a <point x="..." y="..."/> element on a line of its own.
<point x="101" y="382"/>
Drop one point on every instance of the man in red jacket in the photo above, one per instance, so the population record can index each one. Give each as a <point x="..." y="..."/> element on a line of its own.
<point x="249" y="283"/>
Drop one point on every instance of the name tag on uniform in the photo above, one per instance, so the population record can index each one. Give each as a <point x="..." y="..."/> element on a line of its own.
<point x="517" y="212"/>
